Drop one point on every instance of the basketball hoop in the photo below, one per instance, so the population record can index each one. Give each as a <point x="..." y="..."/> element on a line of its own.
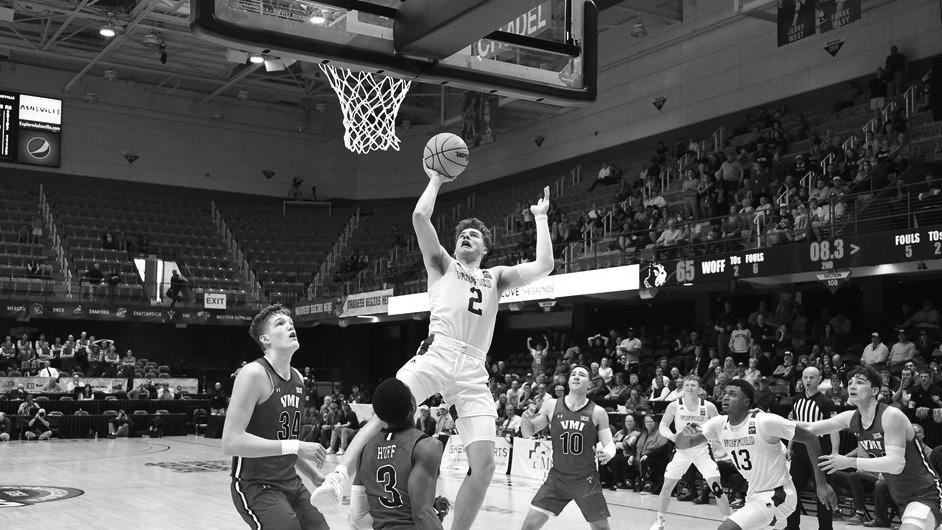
<point x="370" y="104"/>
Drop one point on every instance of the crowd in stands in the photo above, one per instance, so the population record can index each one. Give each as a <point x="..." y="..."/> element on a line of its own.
<point x="636" y="372"/>
<point x="351" y="266"/>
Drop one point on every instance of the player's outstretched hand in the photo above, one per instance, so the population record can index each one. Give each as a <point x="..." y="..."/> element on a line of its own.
<point x="827" y="496"/>
<point x="435" y="175"/>
<point x="312" y="452"/>
<point x="542" y="205"/>
<point x="835" y="462"/>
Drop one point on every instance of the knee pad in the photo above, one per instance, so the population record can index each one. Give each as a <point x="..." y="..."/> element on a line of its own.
<point x="717" y="490"/>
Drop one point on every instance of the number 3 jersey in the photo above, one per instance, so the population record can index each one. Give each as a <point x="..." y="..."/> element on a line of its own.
<point x="276" y="418"/>
<point x="384" y="468"/>
<point x="574" y="436"/>
<point x="756" y="447"/>
<point x="463" y="305"/>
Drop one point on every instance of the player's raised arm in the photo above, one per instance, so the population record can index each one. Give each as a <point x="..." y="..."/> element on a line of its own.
<point x="427" y="457"/>
<point x="832" y="425"/>
<point x="529" y="427"/>
<point x="435" y="257"/>
<point x="527" y="273"/>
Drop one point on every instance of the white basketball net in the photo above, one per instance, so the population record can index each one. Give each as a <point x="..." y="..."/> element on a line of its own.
<point x="370" y="103"/>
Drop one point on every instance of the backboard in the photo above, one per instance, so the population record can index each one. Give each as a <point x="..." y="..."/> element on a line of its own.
<point x="547" y="54"/>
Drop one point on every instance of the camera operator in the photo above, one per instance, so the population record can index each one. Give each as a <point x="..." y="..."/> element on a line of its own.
<point x="38" y="427"/>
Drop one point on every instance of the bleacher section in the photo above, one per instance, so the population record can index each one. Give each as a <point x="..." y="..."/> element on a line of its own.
<point x="284" y="247"/>
<point x="168" y="225"/>
<point x="18" y="247"/>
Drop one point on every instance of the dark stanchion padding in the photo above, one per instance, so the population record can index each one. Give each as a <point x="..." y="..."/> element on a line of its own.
<point x="214" y="426"/>
<point x="97" y="406"/>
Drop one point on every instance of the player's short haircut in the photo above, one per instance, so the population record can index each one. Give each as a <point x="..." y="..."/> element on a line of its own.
<point x="746" y="388"/>
<point x="867" y="373"/>
<point x="257" y="329"/>
<point x="477" y="224"/>
<point x="392" y="401"/>
<point x="692" y="377"/>
<point x="587" y="371"/>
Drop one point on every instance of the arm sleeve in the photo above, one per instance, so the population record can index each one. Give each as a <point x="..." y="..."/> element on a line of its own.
<point x="773" y="426"/>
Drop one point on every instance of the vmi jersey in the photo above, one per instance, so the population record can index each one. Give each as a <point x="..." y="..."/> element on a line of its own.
<point x="756" y="447"/>
<point x="384" y="468"/>
<point x="277" y="418"/>
<point x="464" y="305"/>
<point x="917" y="478"/>
<point x="574" y="436"/>
<point x="684" y="416"/>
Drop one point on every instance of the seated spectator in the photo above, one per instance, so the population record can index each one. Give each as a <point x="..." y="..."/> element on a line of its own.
<point x="651" y="456"/>
<point x="346" y="426"/>
<point x="636" y="403"/>
<point x="165" y="392"/>
<point x="140" y="392"/>
<point x="510" y="426"/>
<point x="48" y="371"/>
<point x="111" y="362"/>
<point x="127" y="365"/>
<point x="6" y="427"/>
<point x="88" y="393"/>
<point x="93" y="277"/>
<point x="620" y="470"/>
<point x="119" y="426"/>
<point x="52" y="386"/>
<point x="835" y="390"/>
<point x="875" y="353"/>
<point x="903" y="350"/>
<point x="617" y="395"/>
<point x="608" y="175"/>
<point x="425" y="423"/>
<point x="358" y="396"/>
<point x="38" y="427"/>
<point x="925" y="318"/>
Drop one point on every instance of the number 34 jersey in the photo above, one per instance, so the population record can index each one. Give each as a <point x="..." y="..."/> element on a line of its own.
<point x="463" y="305"/>
<point x="276" y="418"/>
<point x="756" y="447"/>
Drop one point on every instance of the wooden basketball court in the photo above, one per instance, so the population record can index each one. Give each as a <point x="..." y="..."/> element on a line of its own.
<point x="183" y="482"/>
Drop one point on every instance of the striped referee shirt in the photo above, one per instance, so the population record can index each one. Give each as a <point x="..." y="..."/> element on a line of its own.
<point x="809" y="409"/>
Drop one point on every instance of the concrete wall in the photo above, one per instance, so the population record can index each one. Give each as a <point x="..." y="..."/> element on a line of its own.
<point x="178" y="143"/>
<point x="715" y="63"/>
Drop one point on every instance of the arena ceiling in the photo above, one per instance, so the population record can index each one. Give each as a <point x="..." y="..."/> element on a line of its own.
<point x="64" y="35"/>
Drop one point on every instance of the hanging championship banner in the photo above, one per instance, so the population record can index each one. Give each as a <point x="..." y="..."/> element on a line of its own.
<point x="478" y="109"/>
<point x="795" y="20"/>
<point x="833" y="14"/>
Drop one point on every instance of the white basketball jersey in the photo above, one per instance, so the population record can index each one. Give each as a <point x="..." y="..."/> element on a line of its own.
<point x="464" y="305"/>
<point x="756" y="447"/>
<point x="684" y="416"/>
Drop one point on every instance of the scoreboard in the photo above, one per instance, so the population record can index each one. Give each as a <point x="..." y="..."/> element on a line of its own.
<point x="838" y="252"/>
<point x="30" y="129"/>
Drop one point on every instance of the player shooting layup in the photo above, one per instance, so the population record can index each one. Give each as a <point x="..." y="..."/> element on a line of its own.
<point x="891" y="446"/>
<point x="463" y="299"/>
<point x="576" y="425"/>
<point x="754" y="441"/>
<point x="689" y="409"/>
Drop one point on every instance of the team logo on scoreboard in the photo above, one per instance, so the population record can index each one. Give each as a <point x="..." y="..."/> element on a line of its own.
<point x="38" y="147"/>
<point x="18" y="496"/>
<point x="654" y="275"/>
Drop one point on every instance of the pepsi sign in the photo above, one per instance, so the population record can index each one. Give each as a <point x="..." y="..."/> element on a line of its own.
<point x="30" y="129"/>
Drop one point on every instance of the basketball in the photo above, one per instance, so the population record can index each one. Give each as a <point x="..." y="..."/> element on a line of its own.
<point x="446" y="153"/>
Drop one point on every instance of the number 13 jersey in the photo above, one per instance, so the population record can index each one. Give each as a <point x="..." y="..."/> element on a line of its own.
<point x="463" y="305"/>
<point x="756" y="447"/>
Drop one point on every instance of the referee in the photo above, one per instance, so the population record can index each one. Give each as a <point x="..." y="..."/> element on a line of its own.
<point x="812" y="406"/>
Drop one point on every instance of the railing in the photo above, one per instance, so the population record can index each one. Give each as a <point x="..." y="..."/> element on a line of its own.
<point x="909" y="100"/>
<point x="808" y="181"/>
<point x="575" y="175"/>
<point x="889" y="108"/>
<point x="828" y="160"/>
<point x="720" y="136"/>
<point x="333" y="257"/>
<point x="62" y="257"/>
<point x="236" y="255"/>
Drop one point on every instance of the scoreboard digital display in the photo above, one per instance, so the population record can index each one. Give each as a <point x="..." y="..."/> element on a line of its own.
<point x="916" y="244"/>
<point x="30" y="129"/>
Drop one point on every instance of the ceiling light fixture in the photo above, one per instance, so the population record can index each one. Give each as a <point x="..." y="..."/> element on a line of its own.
<point x="256" y="59"/>
<point x="108" y="30"/>
<point x="150" y="40"/>
<point x="318" y="18"/>
<point x="639" y="30"/>
<point x="90" y="96"/>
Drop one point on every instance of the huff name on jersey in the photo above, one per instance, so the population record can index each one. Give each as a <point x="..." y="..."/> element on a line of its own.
<point x="385" y="452"/>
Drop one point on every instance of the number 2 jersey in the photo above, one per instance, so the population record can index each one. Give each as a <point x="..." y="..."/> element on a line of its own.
<point x="276" y="418"/>
<point x="574" y="436"/>
<point x="463" y="305"/>
<point x="755" y="446"/>
<point x="384" y="468"/>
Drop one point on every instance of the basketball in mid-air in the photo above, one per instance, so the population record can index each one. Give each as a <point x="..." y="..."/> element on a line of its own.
<point x="447" y="154"/>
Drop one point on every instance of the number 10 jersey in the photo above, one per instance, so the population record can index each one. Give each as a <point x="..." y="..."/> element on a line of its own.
<point x="463" y="305"/>
<point x="756" y="447"/>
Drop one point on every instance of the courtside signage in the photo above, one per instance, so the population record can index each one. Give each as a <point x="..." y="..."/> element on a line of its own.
<point x="615" y="279"/>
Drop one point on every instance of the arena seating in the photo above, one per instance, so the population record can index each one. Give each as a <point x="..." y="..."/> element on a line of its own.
<point x="18" y="248"/>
